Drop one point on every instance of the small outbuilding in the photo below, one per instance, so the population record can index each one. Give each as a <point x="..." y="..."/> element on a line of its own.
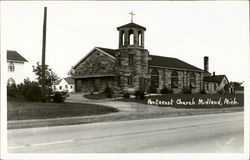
<point x="65" y="84"/>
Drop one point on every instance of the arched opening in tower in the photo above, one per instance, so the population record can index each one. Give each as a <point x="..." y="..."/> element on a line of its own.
<point x="131" y="37"/>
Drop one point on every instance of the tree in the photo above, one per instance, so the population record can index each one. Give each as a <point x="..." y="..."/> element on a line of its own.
<point x="237" y="84"/>
<point x="71" y="72"/>
<point x="50" y="76"/>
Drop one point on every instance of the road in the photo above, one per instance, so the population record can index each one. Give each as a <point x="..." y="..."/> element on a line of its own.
<point x="211" y="133"/>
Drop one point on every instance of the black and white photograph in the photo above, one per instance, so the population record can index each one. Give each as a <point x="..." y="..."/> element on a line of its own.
<point x="125" y="80"/>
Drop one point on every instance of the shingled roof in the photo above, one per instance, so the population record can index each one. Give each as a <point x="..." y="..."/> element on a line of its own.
<point x="69" y="80"/>
<point x="214" y="78"/>
<point x="14" y="56"/>
<point x="133" y="25"/>
<point x="171" y="63"/>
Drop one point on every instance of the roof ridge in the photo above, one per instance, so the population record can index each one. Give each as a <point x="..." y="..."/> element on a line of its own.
<point x="163" y="56"/>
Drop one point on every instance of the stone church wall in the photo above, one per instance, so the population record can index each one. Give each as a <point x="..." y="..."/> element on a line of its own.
<point x="139" y="68"/>
<point x="87" y="68"/>
<point x="97" y="64"/>
<point x="183" y="80"/>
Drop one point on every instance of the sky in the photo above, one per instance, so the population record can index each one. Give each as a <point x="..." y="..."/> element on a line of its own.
<point x="184" y="30"/>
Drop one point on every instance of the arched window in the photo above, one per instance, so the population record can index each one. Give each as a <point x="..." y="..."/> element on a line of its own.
<point x="123" y="38"/>
<point x="192" y="80"/>
<point x="140" y="38"/>
<point x="155" y="78"/>
<point x="11" y="67"/>
<point x="11" y="82"/>
<point x="131" y="37"/>
<point x="174" y="79"/>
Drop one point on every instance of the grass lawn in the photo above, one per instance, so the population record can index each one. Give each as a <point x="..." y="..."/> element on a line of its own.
<point x="193" y="100"/>
<point x="20" y="110"/>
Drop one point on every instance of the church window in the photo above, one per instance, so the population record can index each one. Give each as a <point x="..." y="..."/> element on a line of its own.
<point x="174" y="79"/>
<point x="130" y="60"/>
<point x="60" y="87"/>
<point x="11" y="67"/>
<point x="96" y="67"/>
<point x="131" y="37"/>
<point x="140" y="38"/>
<point x="66" y="86"/>
<point x="130" y="80"/>
<point x="155" y="78"/>
<point x="192" y="81"/>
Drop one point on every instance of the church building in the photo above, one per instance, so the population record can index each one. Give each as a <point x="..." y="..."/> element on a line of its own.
<point x="130" y="68"/>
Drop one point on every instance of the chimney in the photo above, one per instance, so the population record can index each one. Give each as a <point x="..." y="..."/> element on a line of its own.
<point x="213" y="73"/>
<point x="206" y="63"/>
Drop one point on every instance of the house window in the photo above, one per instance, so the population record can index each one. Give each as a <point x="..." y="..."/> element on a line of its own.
<point x="66" y="86"/>
<point x="11" y="82"/>
<point x="130" y="80"/>
<point x="130" y="60"/>
<point x="155" y="78"/>
<point x="214" y="86"/>
<point x="71" y="86"/>
<point x="11" y="67"/>
<point x="60" y="87"/>
<point x="174" y="79"/>
<point x="54" y="87"/>
<point x="192" y="81"/>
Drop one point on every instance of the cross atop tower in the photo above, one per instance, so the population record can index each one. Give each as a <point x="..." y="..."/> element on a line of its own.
<point x="132" y="14"/>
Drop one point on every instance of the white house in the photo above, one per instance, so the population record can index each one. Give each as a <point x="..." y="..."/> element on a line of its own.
<point x="65" y="84"/>
<point x="15" y="61"/>
<point x="215" y="83"/>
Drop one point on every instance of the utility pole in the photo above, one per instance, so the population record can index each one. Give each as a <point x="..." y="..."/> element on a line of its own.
<point x="43" y="55"/>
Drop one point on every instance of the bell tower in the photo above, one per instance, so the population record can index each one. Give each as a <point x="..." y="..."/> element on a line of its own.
<point x="131" y="35"/>
<point x="132" y="60"/>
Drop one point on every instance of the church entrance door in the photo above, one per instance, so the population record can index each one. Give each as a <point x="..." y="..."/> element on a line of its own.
<point x="78" y="85"/>
<point x="96" y="84"/>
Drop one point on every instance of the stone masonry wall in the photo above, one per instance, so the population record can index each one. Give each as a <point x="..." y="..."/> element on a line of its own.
<point x="183" y="79"/>
<point x="85" y="68"/>
<point x="139" y="69"/>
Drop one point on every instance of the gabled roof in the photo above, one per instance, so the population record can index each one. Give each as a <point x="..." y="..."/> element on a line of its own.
<point x="69" y="80"/>
<point x="171" y="63"/>
<point x="58" y="82"/>
<point x="132" y="25"/>
<point x="111" y="52"/>
<point x="14" y="56"/>
<point x="214" y="78"/>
